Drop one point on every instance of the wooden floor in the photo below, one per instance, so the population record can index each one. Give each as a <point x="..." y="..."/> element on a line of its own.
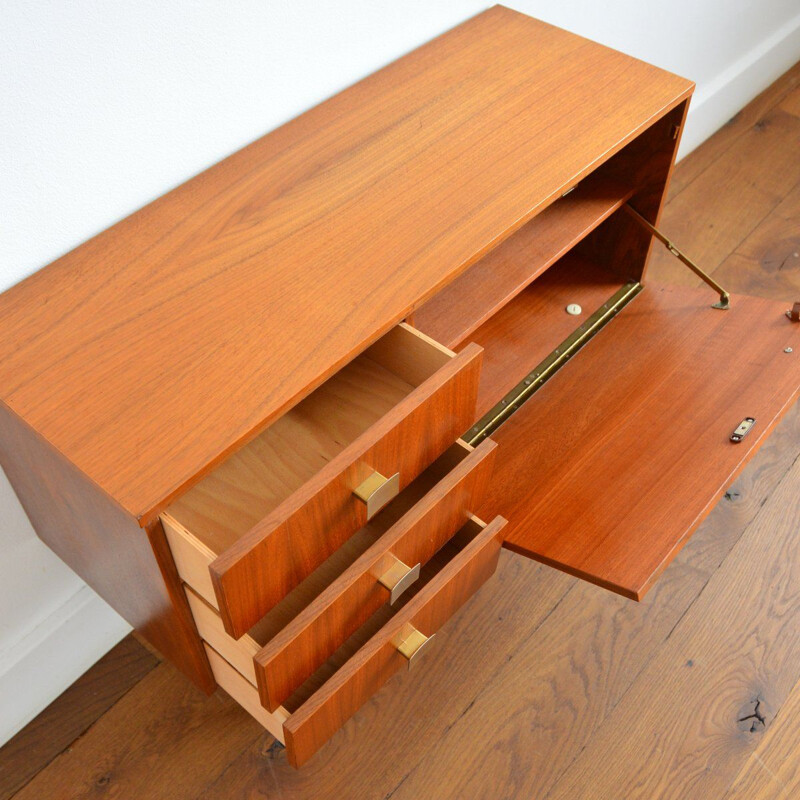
<point x="543" y="686"/>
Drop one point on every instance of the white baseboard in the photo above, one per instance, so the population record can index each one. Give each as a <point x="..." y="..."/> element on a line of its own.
<point x="719" y="100"/>
<point x="48" y="659"/>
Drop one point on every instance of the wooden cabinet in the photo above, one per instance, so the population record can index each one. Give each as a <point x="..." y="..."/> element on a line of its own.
<point x="284" y="417"/>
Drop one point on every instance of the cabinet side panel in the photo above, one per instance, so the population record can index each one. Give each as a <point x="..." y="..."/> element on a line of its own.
<point x="647" y="162"/>
<point x="131" y="570"/>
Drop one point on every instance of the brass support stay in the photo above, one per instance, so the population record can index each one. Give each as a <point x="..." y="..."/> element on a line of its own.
<point x="724" y="298"/>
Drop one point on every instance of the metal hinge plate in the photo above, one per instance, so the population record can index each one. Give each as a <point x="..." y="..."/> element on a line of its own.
<point x="545" y="370"/>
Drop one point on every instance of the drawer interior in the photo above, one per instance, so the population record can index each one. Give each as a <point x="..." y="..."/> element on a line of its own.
<point x="245" y="691"/>
<point x="253" y="481"/>
<point x="241" y="652"/>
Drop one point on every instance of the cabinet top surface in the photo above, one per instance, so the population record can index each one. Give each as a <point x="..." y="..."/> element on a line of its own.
<point x="150" y="352"/>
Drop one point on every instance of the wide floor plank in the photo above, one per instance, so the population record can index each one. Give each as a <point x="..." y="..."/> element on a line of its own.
<point x="700" y="709"/>
<point x="163" y="739"/>
<point x="722" y="207"/>
<point x="72" y="713"/>
<point x="773" y="771"/>
<point x="693" y="165"/>
<point x="544" y="707"/>
<point x="767" y="262"/>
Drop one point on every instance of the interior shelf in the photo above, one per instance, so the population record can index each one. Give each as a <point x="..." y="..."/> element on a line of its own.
<point x="472" y="298"/>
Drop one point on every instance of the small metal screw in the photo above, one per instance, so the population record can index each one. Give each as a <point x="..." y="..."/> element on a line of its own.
<point x="574" y="309"/>
<point x="787" y="350"/>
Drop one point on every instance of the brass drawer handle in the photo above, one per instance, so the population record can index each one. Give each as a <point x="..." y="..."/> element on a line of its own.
<point x="376" y="491"/>
<point x="398" y="577"/>
<point x="412" y="644"/>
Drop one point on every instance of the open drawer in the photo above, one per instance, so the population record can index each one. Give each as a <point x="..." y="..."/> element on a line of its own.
<point x="376" y="565"/>
<point x="608" y="468"/>
<point x="265" y="518"/>
<point x="394" y="636"/>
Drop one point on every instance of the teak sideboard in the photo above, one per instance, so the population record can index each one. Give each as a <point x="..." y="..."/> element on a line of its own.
<point x="284" y="417"/>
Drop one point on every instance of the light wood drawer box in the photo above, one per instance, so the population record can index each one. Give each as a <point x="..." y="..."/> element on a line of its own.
<point x="249" y="532"/>
<point x="373" y="567"/>
<point x="391" y="639"/>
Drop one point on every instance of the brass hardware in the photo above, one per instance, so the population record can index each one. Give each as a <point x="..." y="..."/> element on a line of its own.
<point x="545" y="370"/>
<point x="675" y="130"/>
<point x="376" y="491"/>
<point x="743" y="429"/>
<point x="724" y="298"/>
<point x="412" y="644"/>
<point x="794" y="313"/>
<point x="398" y="577"/>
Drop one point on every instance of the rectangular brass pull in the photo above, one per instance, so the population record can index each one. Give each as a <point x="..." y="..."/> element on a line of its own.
<point x="398" y="577"/>
<point x="412" y="644"/>
<point x="376" y="491"/>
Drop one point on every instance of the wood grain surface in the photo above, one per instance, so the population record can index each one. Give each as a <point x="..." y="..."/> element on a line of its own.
<point x="163" y="719"/>
<point x="131" y="570"/>
<point x="148" y="354"/>
<point x="472" y="298"/>
<point x="327" y="709"/>
<point x="609" y="468"/>
<point x="773" y="770"/>
<point x="303" y="645"/>
<point x="753" y="654"/>
<point x="71" y="714"/>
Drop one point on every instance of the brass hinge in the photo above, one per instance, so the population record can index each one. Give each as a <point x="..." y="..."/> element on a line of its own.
<point x="545" y="370"/>
<point x="724" y="298"/>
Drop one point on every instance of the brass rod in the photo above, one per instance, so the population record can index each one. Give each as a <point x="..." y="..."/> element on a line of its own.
<point x="724" y="298"/>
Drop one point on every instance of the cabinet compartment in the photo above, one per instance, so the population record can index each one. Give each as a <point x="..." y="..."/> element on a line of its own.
<point x="586" y="220"/>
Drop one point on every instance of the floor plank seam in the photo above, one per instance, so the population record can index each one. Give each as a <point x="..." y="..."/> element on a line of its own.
<point x="791" y="84"/>
<point x="489" y="681"/>
<point x="77" y="739"/>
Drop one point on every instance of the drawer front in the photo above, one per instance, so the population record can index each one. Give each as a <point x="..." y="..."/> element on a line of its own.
<point x="254" y="574"/>
<point x="293" y="655"/>
<point x="361" y="676"/>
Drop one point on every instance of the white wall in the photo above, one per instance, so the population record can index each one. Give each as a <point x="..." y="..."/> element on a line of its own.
<point x="106" y="105"/>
